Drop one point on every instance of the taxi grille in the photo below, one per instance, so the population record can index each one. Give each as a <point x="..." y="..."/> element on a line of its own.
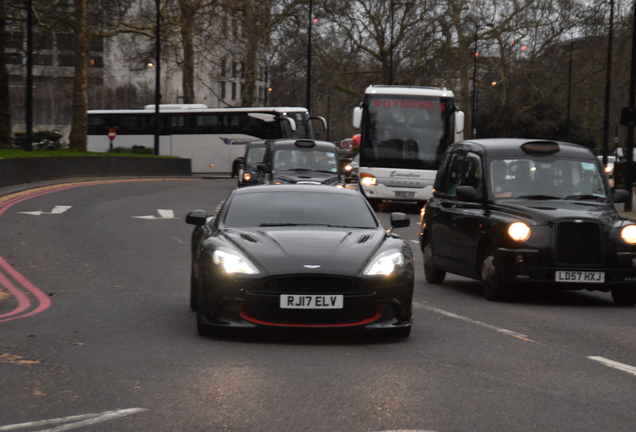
<point x="310" y="285"/>
<point x="578" y="243"/>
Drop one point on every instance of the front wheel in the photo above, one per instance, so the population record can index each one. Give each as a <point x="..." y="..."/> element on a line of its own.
<point x="432" y="273"/>
<point x="193" y="291"/>
<point x="399" y="332"/>
<point x="624" y="296"/>
<point x="494" y="287"/>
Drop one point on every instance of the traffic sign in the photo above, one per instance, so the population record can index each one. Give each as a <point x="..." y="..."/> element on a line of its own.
<point x="112" y="133"/>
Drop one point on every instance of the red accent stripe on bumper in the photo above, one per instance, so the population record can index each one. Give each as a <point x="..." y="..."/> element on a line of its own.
<point x="257" y="321"/>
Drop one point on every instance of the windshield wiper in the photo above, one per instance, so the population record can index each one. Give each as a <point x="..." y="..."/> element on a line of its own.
<point x="324" y="171"/>
<point x="539" y="197"/>
<point x="587" y="197"/>
<point x="276" y="224"/>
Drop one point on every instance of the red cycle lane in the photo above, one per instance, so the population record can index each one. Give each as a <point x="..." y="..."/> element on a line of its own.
<point x="22" y="286"/>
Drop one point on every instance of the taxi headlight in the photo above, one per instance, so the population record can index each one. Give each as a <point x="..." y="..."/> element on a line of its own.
<point x="348" y="168"/>
<point x="247" y="176"/>
<point x="368" y="180"/>
<point x="519" y="231"/>
<point x="384" y="263"/>
<point x="628" y="234"/>
<point x="233" y="262"/>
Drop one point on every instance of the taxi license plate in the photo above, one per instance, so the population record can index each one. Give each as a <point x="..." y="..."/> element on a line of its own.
<point x="579" y="276"/>
<point x="296" y="301"/>
<point x="399" y="194"/>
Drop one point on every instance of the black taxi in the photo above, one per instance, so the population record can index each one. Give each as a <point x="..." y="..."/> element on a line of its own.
<point x="513" y="212"/>
<point x="300" y="161"/>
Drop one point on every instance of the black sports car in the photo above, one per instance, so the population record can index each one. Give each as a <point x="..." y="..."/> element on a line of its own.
<point x="515" y="212"/>
<point x="299" y="256"/>
<point x="300" y="162"/>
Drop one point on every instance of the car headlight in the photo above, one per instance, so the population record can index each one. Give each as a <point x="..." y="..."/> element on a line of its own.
<point x="348" y="168"/>
<point x="247" y="176"/>
<point x="629" y="234"/>
<point x="519" y="231"/>
<point x="233" y="262"/>
<point x="384" y="263"/>
<point x="368" y="179"/>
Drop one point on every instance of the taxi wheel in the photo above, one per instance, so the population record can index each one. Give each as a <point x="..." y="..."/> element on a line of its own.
<point x="494" y="287"/>
<point x="624" y="296"/>
<point x="432" y="273"/>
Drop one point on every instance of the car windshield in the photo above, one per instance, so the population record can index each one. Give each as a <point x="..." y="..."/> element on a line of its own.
<point x="255" y="155"/>
<point x="305" y="159"/>
<point x="285" y="208"/>
<point x="547" y="177"/>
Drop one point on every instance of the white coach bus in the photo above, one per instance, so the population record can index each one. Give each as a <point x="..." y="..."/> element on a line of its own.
<point x="405" y="131"/>
<point x="211" y="137"/>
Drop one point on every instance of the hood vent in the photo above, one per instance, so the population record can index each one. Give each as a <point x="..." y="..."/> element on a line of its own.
<point x="249" y="238"/>
<point x="364" y="239"/>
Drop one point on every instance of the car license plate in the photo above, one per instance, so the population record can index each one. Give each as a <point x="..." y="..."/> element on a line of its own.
<point x="579" y="276"/>
<point x="400" y="194"/>
<point x="296" y="301"/>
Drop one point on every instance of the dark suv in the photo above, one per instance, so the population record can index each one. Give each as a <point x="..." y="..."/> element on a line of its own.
<point x="300" y="162"/>
<point x="513" y="212"/>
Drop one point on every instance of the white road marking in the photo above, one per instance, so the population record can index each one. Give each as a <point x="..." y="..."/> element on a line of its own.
<point x="73" y="422"/>
<point x="163" y="214"/>
<point x="615" y="365"/>
<point x="469" y="320"/>
<point x="58" y="209"/>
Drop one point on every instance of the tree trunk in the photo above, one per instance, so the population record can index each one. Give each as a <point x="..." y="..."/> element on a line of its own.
<point x="253" y="35"/>
<point x="80" y="81"/>
<point x="5" y="101"/>
<point x="188" y="10"/>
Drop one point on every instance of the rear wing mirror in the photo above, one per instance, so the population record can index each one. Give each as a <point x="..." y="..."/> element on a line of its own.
<point x="322" y="120"/>
<point x="292" y="123"/>
<point x="357" y="117"/>
<point x="459" y="122"/>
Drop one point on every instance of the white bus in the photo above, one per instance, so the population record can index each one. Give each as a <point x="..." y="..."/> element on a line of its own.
<point x="211" y="137"/>
<point x="405" y="131"/>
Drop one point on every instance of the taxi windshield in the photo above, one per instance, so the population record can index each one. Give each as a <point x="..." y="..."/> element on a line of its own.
<point x="305" y="160"/>
<point x="548" y="177"/>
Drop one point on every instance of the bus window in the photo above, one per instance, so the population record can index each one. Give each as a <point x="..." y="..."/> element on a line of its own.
<point x="127" y="124"/>
<point x="209" y="123"/>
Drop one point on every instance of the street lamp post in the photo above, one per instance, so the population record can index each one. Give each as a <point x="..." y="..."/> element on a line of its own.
<point x="473" y="122"/>
<point x="158" y="79"/>
<point x="28" y="136"/>
<point x="309" y="59"/>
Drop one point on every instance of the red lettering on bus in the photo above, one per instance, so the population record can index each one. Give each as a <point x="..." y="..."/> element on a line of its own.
<point x="404" y="104"/>
<point x="378" y="102"/>
<point x="396" y="103"/>
<point x="386" y="104"/>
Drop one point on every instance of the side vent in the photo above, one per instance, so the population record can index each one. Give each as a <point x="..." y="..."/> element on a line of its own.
<point x="249" y="238"/>
<point x="364" y="239"/>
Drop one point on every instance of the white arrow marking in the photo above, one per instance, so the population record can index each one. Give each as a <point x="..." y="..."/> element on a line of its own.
<point x="163" y="214"/>
<point x="615" y="365"/>
<point x="73" y="422"/>
<point x="58" y="209"/>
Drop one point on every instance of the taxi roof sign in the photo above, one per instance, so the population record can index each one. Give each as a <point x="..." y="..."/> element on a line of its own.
<point x="540" y="147"/>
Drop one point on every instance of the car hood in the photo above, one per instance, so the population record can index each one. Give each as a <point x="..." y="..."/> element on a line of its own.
<point x="543" y="211"/>
<point x="315" y="250"/>
<point x="306" y="176"/>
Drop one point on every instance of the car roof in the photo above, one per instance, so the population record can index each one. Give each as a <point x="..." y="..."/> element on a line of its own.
<point x="297" y="188"/>
<point x="497" y="147"/>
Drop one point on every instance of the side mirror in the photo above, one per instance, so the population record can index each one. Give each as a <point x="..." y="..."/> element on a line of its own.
<point x="292" y="123"/>
<point x="197" y="217"/>
<point x="322" y="121"/>
<point x="399" y="220"/>
<point x="620" y="196"/>
<point x="262" y="167"/>
<point x="466" y="192"/>
<point x="459" y="122"/>
<point x="357" y="117"/>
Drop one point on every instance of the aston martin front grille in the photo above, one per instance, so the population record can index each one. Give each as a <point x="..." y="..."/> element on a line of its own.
<point x="578" y="243"/>
<point x="310" y="284"/>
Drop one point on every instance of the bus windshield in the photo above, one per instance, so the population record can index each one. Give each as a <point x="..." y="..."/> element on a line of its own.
<point x="405" y="131"/>
<point x="304" y="129"/>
